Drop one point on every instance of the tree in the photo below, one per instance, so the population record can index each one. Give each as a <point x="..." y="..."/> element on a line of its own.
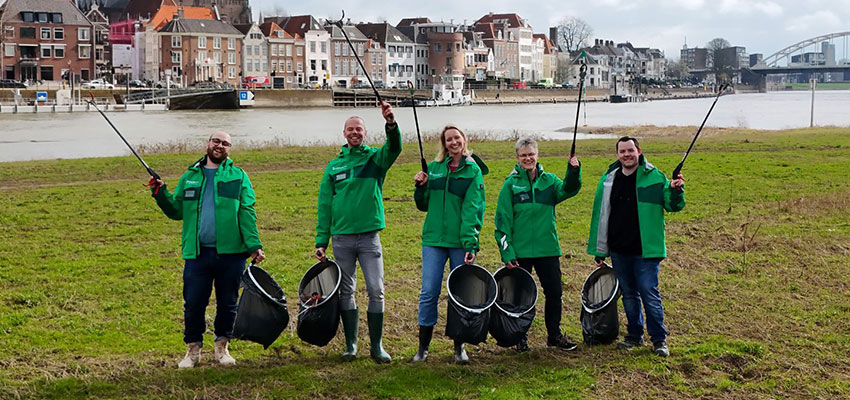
<point x="723" y="63"/>
<point x="677" y="70"/>
<point x="573" y="34"/>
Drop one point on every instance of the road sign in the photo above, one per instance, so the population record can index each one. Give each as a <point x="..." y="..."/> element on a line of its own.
<point x="246" y="98"/>
<point x="41" y="97"/>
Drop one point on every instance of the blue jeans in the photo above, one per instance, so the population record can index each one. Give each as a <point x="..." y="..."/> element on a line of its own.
<point x="638" y="279"/>
<point x="433" y="264"/>
<point x="199" y="276"/>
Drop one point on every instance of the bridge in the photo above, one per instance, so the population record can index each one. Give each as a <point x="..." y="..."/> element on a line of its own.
<point x="773" y="64"/>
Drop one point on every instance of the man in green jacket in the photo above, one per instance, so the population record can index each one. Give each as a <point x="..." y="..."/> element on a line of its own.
<point x="526" y="232"/>
<point x="628" y="224"/>
<point x="351" y="211"/>
<point x="215" y="201"/>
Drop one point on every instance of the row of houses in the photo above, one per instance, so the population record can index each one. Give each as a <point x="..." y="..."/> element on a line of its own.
<point x="158" y="39"/>
<point x="610" y="64"/>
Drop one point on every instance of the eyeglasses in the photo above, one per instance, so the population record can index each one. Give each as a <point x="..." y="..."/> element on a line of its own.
<point x="526" y="155"/>
<point x="221" y="142"/>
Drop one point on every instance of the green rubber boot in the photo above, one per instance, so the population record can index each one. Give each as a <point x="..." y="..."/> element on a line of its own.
<point x="376" y="331"/>
<point x="349" y="325"/>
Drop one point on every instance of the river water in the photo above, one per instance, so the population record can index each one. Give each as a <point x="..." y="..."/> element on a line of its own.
<point x="75" y="135"/>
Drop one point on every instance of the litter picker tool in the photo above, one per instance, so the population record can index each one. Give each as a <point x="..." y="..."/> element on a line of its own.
<point x="682" y="163"/>
<point x="416" y="119"/>
<point x="357" y="56"/>
<point x="582" y="74"/>
<point x="150" y="170"/>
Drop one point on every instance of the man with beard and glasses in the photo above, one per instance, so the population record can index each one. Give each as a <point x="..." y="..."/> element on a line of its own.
<point x="351" y="212"/>
<point x="215" y="201"/>
<point x="628" y="224"/>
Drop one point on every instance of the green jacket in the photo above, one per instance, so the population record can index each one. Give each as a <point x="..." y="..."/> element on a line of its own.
<point x="654" y="196"/>
<point x="351" y="194"/>
<point x="525" y="213"/>
<point x="455" y="205"/>
<point x="235" y="219"/>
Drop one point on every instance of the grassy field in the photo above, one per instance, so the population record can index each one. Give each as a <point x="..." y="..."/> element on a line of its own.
<point x="756" y="285"/>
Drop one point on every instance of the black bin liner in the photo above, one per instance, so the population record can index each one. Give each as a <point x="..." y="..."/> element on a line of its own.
<point x="472" y="290"/>
<point x="261" y="314"/>
<point x="599" y="320"/>
<point x="514" y="310"/>
<point x="318" y="309"/>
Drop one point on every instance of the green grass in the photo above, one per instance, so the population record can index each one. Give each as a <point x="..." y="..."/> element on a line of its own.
<point x="828" y="85"/>
<point x="755" y="285"/>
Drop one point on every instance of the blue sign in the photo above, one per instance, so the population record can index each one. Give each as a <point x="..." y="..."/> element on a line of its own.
<point x="41" y="96"/>
<point x="243" y="95"/>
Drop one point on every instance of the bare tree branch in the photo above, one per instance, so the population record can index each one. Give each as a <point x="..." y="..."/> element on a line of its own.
<point x="573" y="34"/>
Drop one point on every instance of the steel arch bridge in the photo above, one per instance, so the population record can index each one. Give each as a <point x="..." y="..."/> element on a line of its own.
<point x="772" y="60"/>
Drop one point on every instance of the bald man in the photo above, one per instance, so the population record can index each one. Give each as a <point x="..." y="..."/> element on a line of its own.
<point x="215" y="201"/>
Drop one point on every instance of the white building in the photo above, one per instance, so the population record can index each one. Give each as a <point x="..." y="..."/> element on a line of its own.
<point x="401" y="58"/>
<point x="255" y="54"/>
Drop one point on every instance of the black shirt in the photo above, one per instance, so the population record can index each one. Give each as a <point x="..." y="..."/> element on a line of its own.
<point x="623" y="226"/>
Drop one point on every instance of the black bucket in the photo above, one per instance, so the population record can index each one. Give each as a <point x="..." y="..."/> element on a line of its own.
<point x="261" y="314"/>
<point x="511" y="317"/>
<point x="472" y="290"/>
<point x="600" y="323"/>
<point x="318" y="310"/>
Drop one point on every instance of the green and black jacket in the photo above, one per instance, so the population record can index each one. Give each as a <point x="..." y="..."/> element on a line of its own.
<point x="351" y="195"/>
<point x="455" y="204"/>
<point x="525" y="213"/>
<point x="235" y="219"/>
<point x="654" y="196"/>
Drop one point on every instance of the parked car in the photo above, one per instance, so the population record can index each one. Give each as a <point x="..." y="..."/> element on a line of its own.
<point x="380" y="85"/>
<point x="361" y="85"/>
<point x="97" y="84"/>
<point x="172" y="85"/>
<point x="135" y="83"/>
<point x="11" y="83"/>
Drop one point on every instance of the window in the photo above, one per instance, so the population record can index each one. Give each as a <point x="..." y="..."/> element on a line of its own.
<point x="337" y="68"/>
<point x="336" y="48"/>
<point x="27" y="33"/>
<point x="46" y="52"/>
<point x="46" y="73"/>
<point x="231" y="43"/>
<point x="325" y="47"/>
<point x="176" y="41"/>
<point x="217" y="58"/>
<point x="288" y="65"/>
<point x="312" y="47"/>
<point x="299" y="51"/>
<point x="265" y="66"/>
<point x="9" y="50"/>
<point x="28" y="16"/>
<point x="324" y="65"/>
<point x="274" y="65"/>
<point x="45" y="33"/>
<point x="176" y="57"/>
<point x="289" y="50"/>
<point x="438" y="48"/>
<point x="248" y="51"/>
<point x="176" y="71"/>
<point x="300" y="66"/>
<point x="84" y="34"/>
<point x="59" y="33"/>
<point x="202" y="56"/>
<point x="313" y="65"/>
<point x="263" y="49"/>
<point x="56" y="18"/>
<point x="257" y="66"/>
<point x="84" y="51"/>
<point x="10" y="32"/>
<point x="231" y="58"/>
<point x="59" y="51"/>
<point x="231" y="72"/>
<point x="216" y="42"/>
<point x="202" y="42"/>
<point x="345" y="50"/>
<point x="42" y="18"/>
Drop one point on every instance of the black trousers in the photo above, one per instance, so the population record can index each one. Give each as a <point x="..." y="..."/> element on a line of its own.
<point x="549" y="273"/>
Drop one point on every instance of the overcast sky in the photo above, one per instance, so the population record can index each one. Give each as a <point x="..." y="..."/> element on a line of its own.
<point x="762" y="26"/>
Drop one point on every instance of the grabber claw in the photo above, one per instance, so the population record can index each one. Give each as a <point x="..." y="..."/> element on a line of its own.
<point x="155" y="185"/>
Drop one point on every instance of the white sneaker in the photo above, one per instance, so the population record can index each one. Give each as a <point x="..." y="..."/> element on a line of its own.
<point x="192" y="357"/>
<point x="221" y="354"/>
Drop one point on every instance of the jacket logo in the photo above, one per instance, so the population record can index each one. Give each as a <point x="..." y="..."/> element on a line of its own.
<point x="436" y="175"/>
<point x="341" y="176"/>
<point x="517" y="187"/>
<point x="338" y="168"/>
<point x="523" y="197"/>
<point x="192" y="182"/>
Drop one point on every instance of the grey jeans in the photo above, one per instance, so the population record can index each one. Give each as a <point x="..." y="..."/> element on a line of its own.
<point x="365" y="247"/>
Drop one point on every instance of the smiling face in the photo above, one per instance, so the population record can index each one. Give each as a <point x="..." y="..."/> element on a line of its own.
<point x="218" y="147"/>
<point x="454" y="142"/>
<point x="628" y="154"/>
<point x="354" y="131"/>
<point x="526" y="156"/>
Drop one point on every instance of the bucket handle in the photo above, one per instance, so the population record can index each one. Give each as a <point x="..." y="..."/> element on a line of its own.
<point x="257" y="284"/>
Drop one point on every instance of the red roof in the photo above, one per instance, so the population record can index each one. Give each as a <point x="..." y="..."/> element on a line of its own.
<point x="270" y="29"/>
<point x="514" y="20"/>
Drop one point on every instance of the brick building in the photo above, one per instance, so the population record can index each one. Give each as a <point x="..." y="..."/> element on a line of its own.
<point x="286" y="53"/>
<point x="44" y="39"/>
<point x="201" y="50"/>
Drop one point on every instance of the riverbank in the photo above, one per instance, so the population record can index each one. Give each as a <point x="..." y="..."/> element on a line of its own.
<point x="754" y="287"/>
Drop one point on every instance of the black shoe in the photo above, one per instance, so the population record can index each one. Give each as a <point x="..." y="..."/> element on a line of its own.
<point x="522" y="346"/>
<point x="460" y="356"/>
<point x="629" y="344"/>
<point x="562" y="342"/>
<point x="660" y="349"/>
<point x="425" y="333"/>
